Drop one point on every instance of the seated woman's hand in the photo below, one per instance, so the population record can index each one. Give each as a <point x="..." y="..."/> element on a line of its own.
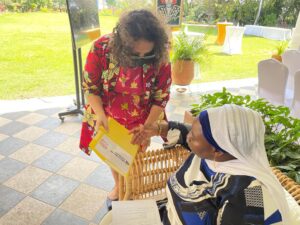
<point x="142" y="133"/>
<point x="144" y="145"/>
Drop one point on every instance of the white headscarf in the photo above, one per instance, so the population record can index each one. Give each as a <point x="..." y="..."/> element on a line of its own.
<point x="240" y="132"/>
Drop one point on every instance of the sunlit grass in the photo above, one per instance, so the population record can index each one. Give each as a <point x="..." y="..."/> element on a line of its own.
<point x="226" y="67"/>
<point x="36" y="55"/>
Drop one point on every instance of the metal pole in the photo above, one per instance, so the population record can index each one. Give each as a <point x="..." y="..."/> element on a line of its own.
<point x="76" y="79"/>
<point x="81" y="78"/>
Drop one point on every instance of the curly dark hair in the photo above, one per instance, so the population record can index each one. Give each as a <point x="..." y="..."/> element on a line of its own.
<point x="136" y="25"/>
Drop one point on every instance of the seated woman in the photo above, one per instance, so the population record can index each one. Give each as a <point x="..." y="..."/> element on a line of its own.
<point x="227" y="179"/>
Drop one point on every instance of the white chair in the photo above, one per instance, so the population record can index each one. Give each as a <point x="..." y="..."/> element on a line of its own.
<point x="295" y="109"/>
<point x="272" y="79"/>
<point x="107" y="219"/>
<point x="233" y="40"/>
<point x="291" y="58"/>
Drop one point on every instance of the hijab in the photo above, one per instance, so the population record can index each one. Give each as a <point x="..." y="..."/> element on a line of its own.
<point x="240" y="131"/>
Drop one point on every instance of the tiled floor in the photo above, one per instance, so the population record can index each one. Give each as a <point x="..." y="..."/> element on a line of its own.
<point x="45" y="179"/>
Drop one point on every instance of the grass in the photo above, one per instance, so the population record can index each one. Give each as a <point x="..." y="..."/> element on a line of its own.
<point x="36" y="55"/>
<point x="226" y="67"/>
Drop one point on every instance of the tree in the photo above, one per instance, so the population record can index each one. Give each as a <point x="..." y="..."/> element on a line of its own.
<point x="111" y="3"/>
<point x="258" y="12"/>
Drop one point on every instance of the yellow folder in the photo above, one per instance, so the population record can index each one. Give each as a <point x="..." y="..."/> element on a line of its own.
<point x="114" y="147"/>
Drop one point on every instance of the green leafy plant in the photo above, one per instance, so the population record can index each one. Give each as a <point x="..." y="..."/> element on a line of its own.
<point x="189" y="48"/>
<point x="282" y="133"/>
<point x="280" y="48"/>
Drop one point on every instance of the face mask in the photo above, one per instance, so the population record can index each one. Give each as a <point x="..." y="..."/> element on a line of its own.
<point x="140" y="61"/>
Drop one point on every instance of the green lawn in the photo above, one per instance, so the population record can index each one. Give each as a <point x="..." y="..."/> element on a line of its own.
<point x="36" y="57"/>
<point x="227" y="67"/>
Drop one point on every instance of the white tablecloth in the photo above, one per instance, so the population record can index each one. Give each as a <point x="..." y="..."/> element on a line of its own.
<point x="233" y="40"/>
<point x="274" y="33"/>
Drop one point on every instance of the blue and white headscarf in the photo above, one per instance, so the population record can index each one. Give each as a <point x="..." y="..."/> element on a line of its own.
<point x="240" y="132"/>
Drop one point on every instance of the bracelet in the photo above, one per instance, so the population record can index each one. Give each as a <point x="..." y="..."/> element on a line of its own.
<point x="159" y="127"/>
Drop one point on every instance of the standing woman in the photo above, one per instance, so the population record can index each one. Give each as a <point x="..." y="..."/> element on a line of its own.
<point x="127" y="77"/>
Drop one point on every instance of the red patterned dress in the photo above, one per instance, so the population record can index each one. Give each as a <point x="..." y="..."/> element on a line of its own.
<point x="127" y="93"/>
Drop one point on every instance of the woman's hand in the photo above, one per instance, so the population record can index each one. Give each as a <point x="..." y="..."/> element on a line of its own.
<point x="144" y="145"/>
<point x="101" y="120"/>
<point x="143" y="133"/>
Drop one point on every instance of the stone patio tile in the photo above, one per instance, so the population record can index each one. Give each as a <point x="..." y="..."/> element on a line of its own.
<point x="10" y="145"/>
<point x="101" y="178"/>
<point x="28" y="212"/>
<point x="29" y="153"/>
<point x="2" y="157"/>
<point x="78" y="169"/>
<point x="3" y="137"/>
<point x="28" y="179"/>
<point x="61" y="217"/>
<point x="31" y="118"/>
<point x="52" y="160"/>
<point x="51" y="139"/>
<point x="70" y="146"/>
<point x="93" y="156"/>
<point x="49" y="123"/>
<point x="4" y="121"/>
<point x="90" y="200"/>
<point x="69" y="118"/>
<point x="31" y="133"/>
<point x="50" y="111"/>
<point x="14" y="115"/>
<point x="12" y="128"/>
<point x="77" y="134"/>
<point x="9" y="168"/>
<point x="68" y="128"/>
<point x="100" y="214"/>
<point x="55" y="190"/>
<point x="9" y="198"/>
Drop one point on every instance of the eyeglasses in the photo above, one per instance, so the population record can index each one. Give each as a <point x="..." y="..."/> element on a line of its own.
<point x="141" y="60"/>
<point x="135" y="57"/>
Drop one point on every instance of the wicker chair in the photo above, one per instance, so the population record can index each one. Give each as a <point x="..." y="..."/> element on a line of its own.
<point x="150" y="171"/>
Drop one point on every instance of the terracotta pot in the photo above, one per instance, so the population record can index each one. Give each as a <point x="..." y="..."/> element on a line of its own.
<point x="277" y="57"/>
<point x="183" y="72"/>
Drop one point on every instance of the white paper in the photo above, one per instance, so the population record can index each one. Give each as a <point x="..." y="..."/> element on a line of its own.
<point x="114" y="153"/>
<point x="137" y="212"/>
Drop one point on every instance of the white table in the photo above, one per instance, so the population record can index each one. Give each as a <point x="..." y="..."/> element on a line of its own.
<point x="233" y="40"/>
<point x="274" y="33"/>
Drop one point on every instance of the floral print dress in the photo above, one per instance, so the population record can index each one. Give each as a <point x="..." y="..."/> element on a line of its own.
<point x="127" y="93"/>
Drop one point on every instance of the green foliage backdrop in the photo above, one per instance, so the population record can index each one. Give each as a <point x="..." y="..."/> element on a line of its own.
<point x="281" y="13"/>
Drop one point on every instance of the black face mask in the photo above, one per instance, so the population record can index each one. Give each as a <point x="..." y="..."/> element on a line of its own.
<point x="140" y="61"/>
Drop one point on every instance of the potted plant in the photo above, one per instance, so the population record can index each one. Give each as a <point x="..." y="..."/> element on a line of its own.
<point x="282" y="134"/>
<point x="185" y="52"/>
<point x="279" y="50"/>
